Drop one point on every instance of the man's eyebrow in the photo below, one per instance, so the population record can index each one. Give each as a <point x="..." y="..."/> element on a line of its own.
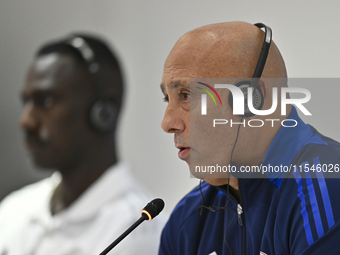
<point x="162" y="88"/>
<point x="173" y="85"/>
<point x="37" y="92"/>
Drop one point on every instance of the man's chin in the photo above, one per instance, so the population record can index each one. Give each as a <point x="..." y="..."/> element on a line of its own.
<point x="43" y="164"/>
<point x="216" y="181"/>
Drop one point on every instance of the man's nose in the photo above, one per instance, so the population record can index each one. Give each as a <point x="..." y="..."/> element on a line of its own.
<point x="172" y="121"/>
<point x="28" y="119"/>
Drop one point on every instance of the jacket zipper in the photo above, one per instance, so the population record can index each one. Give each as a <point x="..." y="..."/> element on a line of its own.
<point x="240" y="217"/>
<point x="241" y="221"/>
<point x="239" y="214"/>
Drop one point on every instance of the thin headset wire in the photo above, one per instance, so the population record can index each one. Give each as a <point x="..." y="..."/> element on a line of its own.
<point x="228" y="191"/>
<point x="216" y="208"/>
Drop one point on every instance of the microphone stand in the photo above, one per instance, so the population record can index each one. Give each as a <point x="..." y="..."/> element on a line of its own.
<point x="122" y="236"/>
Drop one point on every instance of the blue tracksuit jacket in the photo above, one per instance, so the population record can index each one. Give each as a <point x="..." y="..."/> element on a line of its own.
<point x="275" y="215"/>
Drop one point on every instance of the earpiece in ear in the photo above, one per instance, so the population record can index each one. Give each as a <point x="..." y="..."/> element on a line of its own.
<point x="103" y="116"/>
<point x="257" y="97"/>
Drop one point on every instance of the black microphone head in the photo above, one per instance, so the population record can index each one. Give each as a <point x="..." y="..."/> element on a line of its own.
<point x="152" y="209"/>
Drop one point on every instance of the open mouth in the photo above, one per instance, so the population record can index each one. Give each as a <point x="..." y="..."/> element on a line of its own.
<point x="183" y="152"/>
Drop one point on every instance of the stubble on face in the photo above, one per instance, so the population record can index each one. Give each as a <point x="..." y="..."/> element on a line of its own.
<point x="210" y="52"/>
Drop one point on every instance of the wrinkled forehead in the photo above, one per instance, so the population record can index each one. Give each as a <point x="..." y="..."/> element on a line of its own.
<point x="174" y="84"/>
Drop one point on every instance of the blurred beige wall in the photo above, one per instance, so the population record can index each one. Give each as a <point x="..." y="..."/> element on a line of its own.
<point x="142" y="33"/>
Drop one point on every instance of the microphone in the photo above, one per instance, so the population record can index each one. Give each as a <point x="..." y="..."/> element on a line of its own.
<point x="150" y="211"/>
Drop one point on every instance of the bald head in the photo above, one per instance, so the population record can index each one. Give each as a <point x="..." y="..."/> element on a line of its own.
<point x="224" y="50"/>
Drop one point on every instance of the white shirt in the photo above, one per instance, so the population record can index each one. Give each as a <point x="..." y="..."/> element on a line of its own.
<point x="86" y="227"/>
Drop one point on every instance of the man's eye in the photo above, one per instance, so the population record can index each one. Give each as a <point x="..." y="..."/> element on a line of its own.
<point x="48" y="102"/>
<point x="185" y="96"/>
<point x="24" y="100"/>
<point x="166" y="99"/>
<point x="44" y="102"/>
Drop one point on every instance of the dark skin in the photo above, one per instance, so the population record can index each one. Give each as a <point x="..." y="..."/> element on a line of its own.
<point x="57" y="96"/>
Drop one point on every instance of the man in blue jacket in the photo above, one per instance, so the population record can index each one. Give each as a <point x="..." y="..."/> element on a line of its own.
<point x="293" y="207"/>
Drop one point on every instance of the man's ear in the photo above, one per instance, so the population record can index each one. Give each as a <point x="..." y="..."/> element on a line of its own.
<point x="263" y="85"/>
<point x="267" y="90"/>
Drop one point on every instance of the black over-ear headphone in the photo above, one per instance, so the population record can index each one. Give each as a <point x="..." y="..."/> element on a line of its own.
<point x="254" y="83"/>
<point x="103" y="113"/>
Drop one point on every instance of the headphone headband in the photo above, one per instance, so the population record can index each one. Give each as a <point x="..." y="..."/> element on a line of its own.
<point x="85" y="50"/>
<point x="263" y="55"/>
<point x="103" y="113"/>
<point x="257" y="95"/>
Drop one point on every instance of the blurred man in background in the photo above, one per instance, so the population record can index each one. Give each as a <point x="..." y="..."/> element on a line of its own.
<point x="72" y="98"/>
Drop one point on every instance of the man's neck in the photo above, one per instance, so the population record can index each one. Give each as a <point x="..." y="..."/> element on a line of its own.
<point x="75" y="182"/>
